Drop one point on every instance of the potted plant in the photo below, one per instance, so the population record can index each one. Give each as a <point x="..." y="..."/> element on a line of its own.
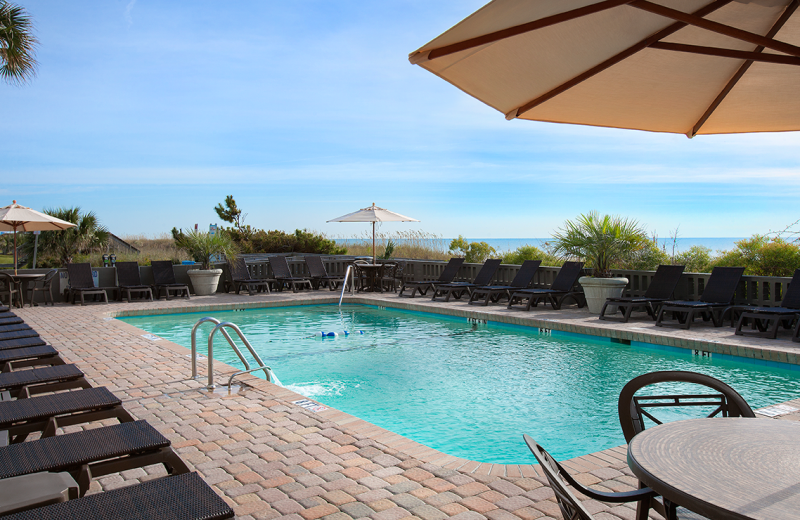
<point x="202" y="247"/>
<point x="600" y="242"/>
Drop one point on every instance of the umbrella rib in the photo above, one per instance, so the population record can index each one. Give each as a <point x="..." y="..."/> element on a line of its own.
<point x="787" y="13"/>
<point x="419" y="57"/>
<point x="728" y="53"/>
<point x="610" y="62"/>
<point x="716" y="27"/>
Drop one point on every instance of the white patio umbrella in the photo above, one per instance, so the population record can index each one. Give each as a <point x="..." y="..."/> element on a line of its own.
<point x="683" y="66"/>
<point x="374" y="214"/>
<point x="16" y="217"/>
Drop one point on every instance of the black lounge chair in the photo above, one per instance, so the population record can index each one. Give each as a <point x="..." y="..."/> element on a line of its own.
<point x="661" y="289"/>
<point x="81" y="282"/>
<point x="178" y="497"/>
<point x="45" y="288"/>
<point x="18" y="334"/>
<point x="521" y="280"/>
<point x="39" y="355"/>
<point x="129" y="281"/>
<point x="448" y="275"/>
<point x="320" y="276"/>
<point x="25" y="383"/>
<point x="572" y="508"/>
<point x="241" y="277"/>
<point x="11" y="320"/>
<point x="457" y="289"/>
<point x="559" y="291"/>
<point x="716" y="297"/>
<point x="92" y="453"/>
<point x="634" y="408"/>
<point x="15" y="327"/>
<point x="14" y="343"/>
<point x="47" y="413"/>
<point x="164" y="278"/>
<point x="7" y="314"/>
<point x="283" y="275"/>
<point x="767" y="319"/>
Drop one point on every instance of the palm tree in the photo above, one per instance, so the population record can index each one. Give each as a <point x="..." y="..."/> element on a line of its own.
<point x="17" y="44"/>
<point x="62" y="246"/>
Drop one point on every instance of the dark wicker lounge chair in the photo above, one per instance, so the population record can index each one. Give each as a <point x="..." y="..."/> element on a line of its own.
<point x="448" y="275"/>
<point x="25" y="383"/>
<point x="15" y="327"/>
<point x="521" y="280"/>
<point x="767" y="319"/>
<point x="561" y="289"/>
<point x="11" y="320"/>
<point x="660" y="290"/>
<point x="7" y="314"/>
<point x="45" y="286"/>
<point x="634" y="409"/>
<point x="457" y="289"/>
<point x="716" y="297"/>
<point x="81" y="283"/>
<point x="92" y="453"/>
<point x="47" y="413"/>
<point x="283" y="275"/>
<point x="164" y="278"/>
<point x="129" y="280"/>
<point x="39" y="355"/>
<point x="320" y="276"/>
<point x="240" y="276"/>
<point x="18" y="334"/>
<point x="572" y="508"/>
<point x="178" y="497"/>
<point x="13" y="343"/>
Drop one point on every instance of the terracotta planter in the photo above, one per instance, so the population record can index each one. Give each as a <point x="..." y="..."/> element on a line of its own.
<point x="204" y="282"/>
<point x="598" y="290"/>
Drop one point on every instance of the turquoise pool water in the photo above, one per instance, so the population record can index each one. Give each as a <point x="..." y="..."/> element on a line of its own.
<point x="465" y="389"/>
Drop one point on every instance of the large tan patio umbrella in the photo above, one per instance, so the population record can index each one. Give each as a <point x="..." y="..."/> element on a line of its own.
<point x="16" y="217"/>
<point x="374" y="214"/>
<point x="682" y="66"/>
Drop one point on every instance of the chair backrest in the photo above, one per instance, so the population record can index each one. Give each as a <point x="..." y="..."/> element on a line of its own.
<point x="163" y="274"/>
<point x="571" y="508"/>
<point x="6" y="281"/>
<point x="791" y="298"/>
<point x="47" y="281"/>
<point x="238" y="269"/>
<point x="315" y="267"/>
<point x="525" y="275"/>
<point x="128" y="274"/>
<point x="722" y="284"/>
<point x="567" y="276"/>
<point x="451" y="270"/>
<point x="664" y="281"/>
<point x="280" y="267"/>
<point x="80" y="275"/>
<point x="485" y="275"/>
<point x="634" y="408"/>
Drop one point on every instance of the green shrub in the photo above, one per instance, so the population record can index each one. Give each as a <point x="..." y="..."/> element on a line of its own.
<point x="697" y="259"/>
<point x="761" y="256"/>
<point x="473" y="252"/>
<point x="302" y="241"/>
<point x="648" y="258"/>
<point x="528" y="252"/>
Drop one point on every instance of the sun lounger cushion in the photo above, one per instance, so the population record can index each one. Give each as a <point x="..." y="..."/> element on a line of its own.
<point x="180" y="497"/>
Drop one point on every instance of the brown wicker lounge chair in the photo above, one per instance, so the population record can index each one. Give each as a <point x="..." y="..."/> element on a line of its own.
<point x="47" y="413"/>
<point x="45" y="286"/>
<point x="240" y="276"/>
<point x="283" y="275"/>
<point x="457" y="289"/>
<point x="164" y="278"/>
<point x="448" y="275"/>
<point x="10" y="320"/>
<point x="18" y="334"/>
<point x="39" y="355"/>
<point x="716" y="297"/>
<point x="660" y="290"/>
<point x="25" y="383"/>
<point x="129" y="280"/>
<point x="14" y="343"/>
<point x="521" y="280"/>
<point x="767" y="319"/>
<point x="14" y="327"/>
<point x="92" y="453"/>
<point x="320" y="276"/>
<point x="572" y="508"/>
<point x="81" y="283"/>
<point x="561" y="289"/>
<point x="178" y="497"/>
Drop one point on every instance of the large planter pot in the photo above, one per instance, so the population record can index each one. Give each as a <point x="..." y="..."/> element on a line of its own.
<point x="204" y="281"/>
<point x="598" y="290"/>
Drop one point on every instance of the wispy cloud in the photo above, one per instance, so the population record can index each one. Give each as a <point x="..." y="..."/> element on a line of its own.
<point x="128" y="10"/>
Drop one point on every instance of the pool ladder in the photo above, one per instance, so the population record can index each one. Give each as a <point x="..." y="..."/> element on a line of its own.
<point x="221" y="326"/>
<point x="344" y="284"/>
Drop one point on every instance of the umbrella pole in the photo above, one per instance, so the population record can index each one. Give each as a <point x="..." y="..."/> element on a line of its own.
<point x="15" y="251"/>
<point x="373" y="242"/>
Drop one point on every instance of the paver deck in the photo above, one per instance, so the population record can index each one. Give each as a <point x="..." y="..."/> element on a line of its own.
<point x="270" y="458"/>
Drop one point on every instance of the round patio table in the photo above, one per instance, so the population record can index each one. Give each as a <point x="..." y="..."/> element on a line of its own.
<point x="374" y="274"/>
<point x="723" y="467"/>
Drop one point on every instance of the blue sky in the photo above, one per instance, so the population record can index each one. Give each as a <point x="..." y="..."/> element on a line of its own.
<point x="149" y="112"/>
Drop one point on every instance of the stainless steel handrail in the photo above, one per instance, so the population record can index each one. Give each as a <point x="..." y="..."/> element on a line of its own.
<point x="221" y="326"/>
<point x="344" y="284"/>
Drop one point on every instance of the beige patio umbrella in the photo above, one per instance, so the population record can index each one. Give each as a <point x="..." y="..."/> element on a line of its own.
<point x="682" y="66"/>
<point x="16" y="217"/>
<point x="374" y="214"/>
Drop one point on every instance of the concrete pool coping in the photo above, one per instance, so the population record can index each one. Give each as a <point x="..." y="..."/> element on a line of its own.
<point x="606" y="469"/>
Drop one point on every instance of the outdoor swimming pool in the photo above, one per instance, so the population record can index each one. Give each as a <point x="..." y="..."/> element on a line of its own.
<point x="469" y="390"/>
